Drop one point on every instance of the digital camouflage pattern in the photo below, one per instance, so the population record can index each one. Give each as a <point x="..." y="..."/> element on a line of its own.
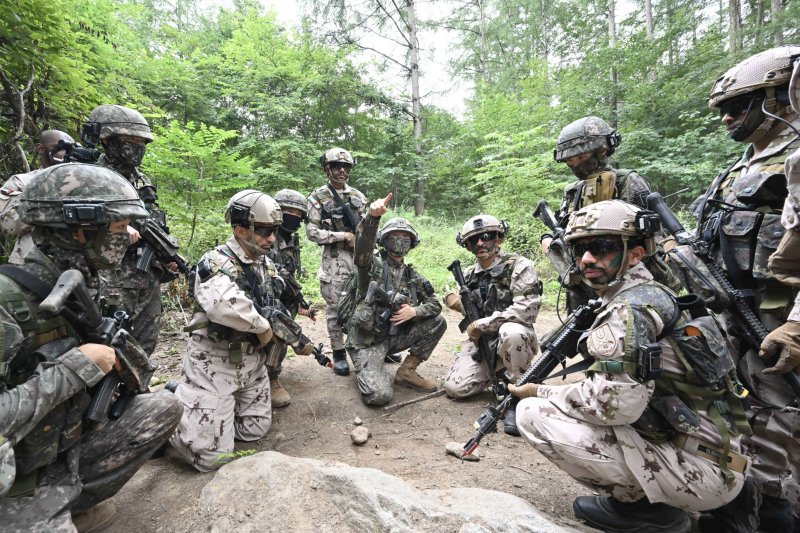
<point x="326" y="227"/>
<point x="368" y="339"/>
<point x="114" y="120"/>
<point x="225" y="389"/>
<point x="508" y="322"/>
<point x="585" y="135"/>
<point x="285" y="254"/>
<point x="587" y="427"/>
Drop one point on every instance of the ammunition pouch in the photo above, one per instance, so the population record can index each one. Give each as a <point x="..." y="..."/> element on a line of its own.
<point x="761" y="189"/>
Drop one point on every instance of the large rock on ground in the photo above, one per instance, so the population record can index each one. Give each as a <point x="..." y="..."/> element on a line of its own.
<point x="270" y="491"/>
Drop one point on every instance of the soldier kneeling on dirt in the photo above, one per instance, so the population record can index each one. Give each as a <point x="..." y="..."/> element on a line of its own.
<point x="655" y="426"/>
<point x="226" y="389"/>
<point x="395" y="308"/>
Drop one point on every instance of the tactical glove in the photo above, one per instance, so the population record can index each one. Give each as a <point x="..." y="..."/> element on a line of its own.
<point x="264" y="338"/>
<point x="308" y="349"/>
<point x="525" y="391"/>
<point x="475" y="330"/>
<point x="783" y="342"/>
<point x="453" y="301"/>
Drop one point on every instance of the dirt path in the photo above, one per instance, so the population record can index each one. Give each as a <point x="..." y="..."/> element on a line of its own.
<point x="408" y="443"/>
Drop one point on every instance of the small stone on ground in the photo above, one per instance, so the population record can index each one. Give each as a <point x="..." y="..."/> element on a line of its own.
<point x="360" y="435"/>
<point x="456" y="449"/>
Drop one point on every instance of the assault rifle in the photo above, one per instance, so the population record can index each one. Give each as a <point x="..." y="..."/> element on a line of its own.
<point x="392" y="300"/>
<point x="71" y="299"/>
<point x="350" y="219"/>
<point x="472" y="312"/>
<point x="286" y="331"/>
<point x="158" y="244"/>
<point x="74" y="152"/>
<point x="732" y="300"/>
<point x="560" y="345"/>
<point x="558" y="252"/>
<point x="294" y="294"/>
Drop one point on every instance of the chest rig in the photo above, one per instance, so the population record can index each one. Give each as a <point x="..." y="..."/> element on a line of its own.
<point x="41" y="343"/>
<point x="493" y="286"/>
<point x="598" y="187"/>
<point x="333" y="214"/>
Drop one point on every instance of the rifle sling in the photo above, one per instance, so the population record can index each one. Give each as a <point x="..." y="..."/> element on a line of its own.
<point x="580" y="366"/>
<point x="27" y="280"/>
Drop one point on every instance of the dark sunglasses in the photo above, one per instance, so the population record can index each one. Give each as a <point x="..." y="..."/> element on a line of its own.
<point x="264" y="231"/>
<point x="597" y="247"/>
<point x="485" y="237"/>
<point x="337" y="166"/>
<point x="736" y="106"/>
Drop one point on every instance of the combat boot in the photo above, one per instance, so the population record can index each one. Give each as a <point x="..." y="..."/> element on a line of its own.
<point x="739" y="516"/>
<point x="95" y="518"/>
<point x="280" y="397"/>
<point x="340" y="366"/>
<point x="510" y="421"/>
<point x="613" y="516"/>
<point x="407" y="375"/>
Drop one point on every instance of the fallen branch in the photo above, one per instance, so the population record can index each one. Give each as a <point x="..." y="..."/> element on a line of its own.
<point x="397" y="406"/>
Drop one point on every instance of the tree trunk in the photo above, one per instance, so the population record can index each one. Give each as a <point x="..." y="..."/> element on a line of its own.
<point x="416" y="108"/>
<point x="777" y="8"/>
<point x="16" y="99"/>
<point x="612" y="43"/>
<point x="734" y="25"/>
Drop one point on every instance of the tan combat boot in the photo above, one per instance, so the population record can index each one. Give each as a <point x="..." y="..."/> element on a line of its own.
<point x="407" y="375"/>
<point x="280" y="397"/>
<point x="95" y="518"/>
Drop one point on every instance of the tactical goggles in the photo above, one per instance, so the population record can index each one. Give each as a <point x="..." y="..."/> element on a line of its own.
<point x="336" y="165"/>
<point x="264" y="231"/>
<point x="485" y="237"/>
<point x="736" y="106"/>
<point x="597" y="247"/>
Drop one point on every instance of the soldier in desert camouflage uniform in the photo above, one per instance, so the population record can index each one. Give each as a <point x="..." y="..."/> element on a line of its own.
<point x="286" y="256"/>
<point x="511" y="295"/>
<point x="226" y="389"/>
<point x="328" y="227"/>
<point x="654" y="427"/>
<point x="10" y="224"/>
<point x="742" y="234"/>
<point x="56" y="467"/>
<point x="585" y="146"/>
<point x="135" y="287"/>
<point x="418" y="323"/>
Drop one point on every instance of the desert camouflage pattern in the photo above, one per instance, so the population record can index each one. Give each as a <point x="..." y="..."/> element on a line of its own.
<point x="224" y="398"/>
<point x="12" y="227"/>
<point x="368" y="339"/>
<point x="92" y="463"/>
<point x="789" y="253"/>
<point x="586" y="427"/>
<point x="326" y="228"/>
<point x="510" y="328"/>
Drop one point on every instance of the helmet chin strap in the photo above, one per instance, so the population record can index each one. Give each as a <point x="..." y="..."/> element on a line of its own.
<point x="767" y="106"/>
<point x="613" y="282"/>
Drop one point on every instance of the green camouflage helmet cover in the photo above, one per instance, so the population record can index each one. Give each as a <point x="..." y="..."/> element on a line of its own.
<point x="79" y="195"/>
<point x="399" y="224"/>
<point x="611" y="217"/>
<point x="337" y="155"/>
<point x="251" y="207"/>
<point x="109" y="120"/>
<point x="293" y="199"/>
<point x="480" y="224"/>
<point x="586" y="135"/>
<point x="765" y="70"/>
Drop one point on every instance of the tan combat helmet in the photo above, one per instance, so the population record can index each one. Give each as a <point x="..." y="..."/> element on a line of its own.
<point x="109" y="120"/>
<point x="481" y="224"/>
<point x="337" y="155"/>
<point x="249" y="208"/>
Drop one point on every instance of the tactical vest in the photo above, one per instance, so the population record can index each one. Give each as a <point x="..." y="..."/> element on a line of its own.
<point x="493" y="286"/>
<point x="287" y="257"/>
<point x="608" y="184"/>
<point x="333" y="214"/>
<point x="44" y="341"/>
<point x="709" y="384"/>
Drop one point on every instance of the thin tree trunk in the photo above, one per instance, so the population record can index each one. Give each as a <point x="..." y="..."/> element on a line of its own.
<point x="648" y="18"/>
<point x="16" y="98"/>
<point x="612" y="43"/>
<point x="777" y="8"/>
<point x="734" y="25"/>
<point x="416" y="108"/>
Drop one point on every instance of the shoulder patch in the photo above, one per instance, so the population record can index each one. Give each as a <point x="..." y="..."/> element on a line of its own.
<point x="602" y="342"/>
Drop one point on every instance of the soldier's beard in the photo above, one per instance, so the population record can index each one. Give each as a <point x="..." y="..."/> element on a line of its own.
<point x="251" y="246"/>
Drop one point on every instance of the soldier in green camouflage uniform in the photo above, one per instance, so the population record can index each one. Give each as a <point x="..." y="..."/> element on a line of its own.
<point x="743" y="233"/>
<point x="419" y="323"/>
<point x="225" y="391"/>
<point x="53" y="464"/>
<point x="134" y="286"/>
<point x="655" y="426"/>
<point x="327" y="227"/>
<point x="286" y="256"/>
<point x="18" y="235"/>
<point x="585" y="146"/>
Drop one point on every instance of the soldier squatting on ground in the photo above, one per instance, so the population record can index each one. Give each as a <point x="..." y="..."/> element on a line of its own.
<point x="54" y="467"/>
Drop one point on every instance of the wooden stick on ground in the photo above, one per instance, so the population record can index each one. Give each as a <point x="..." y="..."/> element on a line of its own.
<point x="415" y="400"/>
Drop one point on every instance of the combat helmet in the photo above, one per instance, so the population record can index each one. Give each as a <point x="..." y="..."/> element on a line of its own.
<point x="110" y="120"/>
<point x="398" y="224"/>
<point x="480" y="224"/>
<point x="337" y="155"/>
<point x="794" y="86"/>
<point x="292" y="199"/>
<point x="585" y="135"/>
<point x="73" y="195"/>
<point x="616" y="218"/>
<point x="249" y="208"/>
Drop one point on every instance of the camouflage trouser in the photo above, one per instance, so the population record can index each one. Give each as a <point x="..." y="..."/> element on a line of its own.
<point x="274" y="369"/>
<point x="775" y="450"/>
<point x="331" y="291"/>
<point x="419" y="338"/>
<point x="106" y="458"/>
<point x="515" y="346"/>
<point x="222" y="401"/>
<point x="144" y="308"/>
<point x="616" y="461"/>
